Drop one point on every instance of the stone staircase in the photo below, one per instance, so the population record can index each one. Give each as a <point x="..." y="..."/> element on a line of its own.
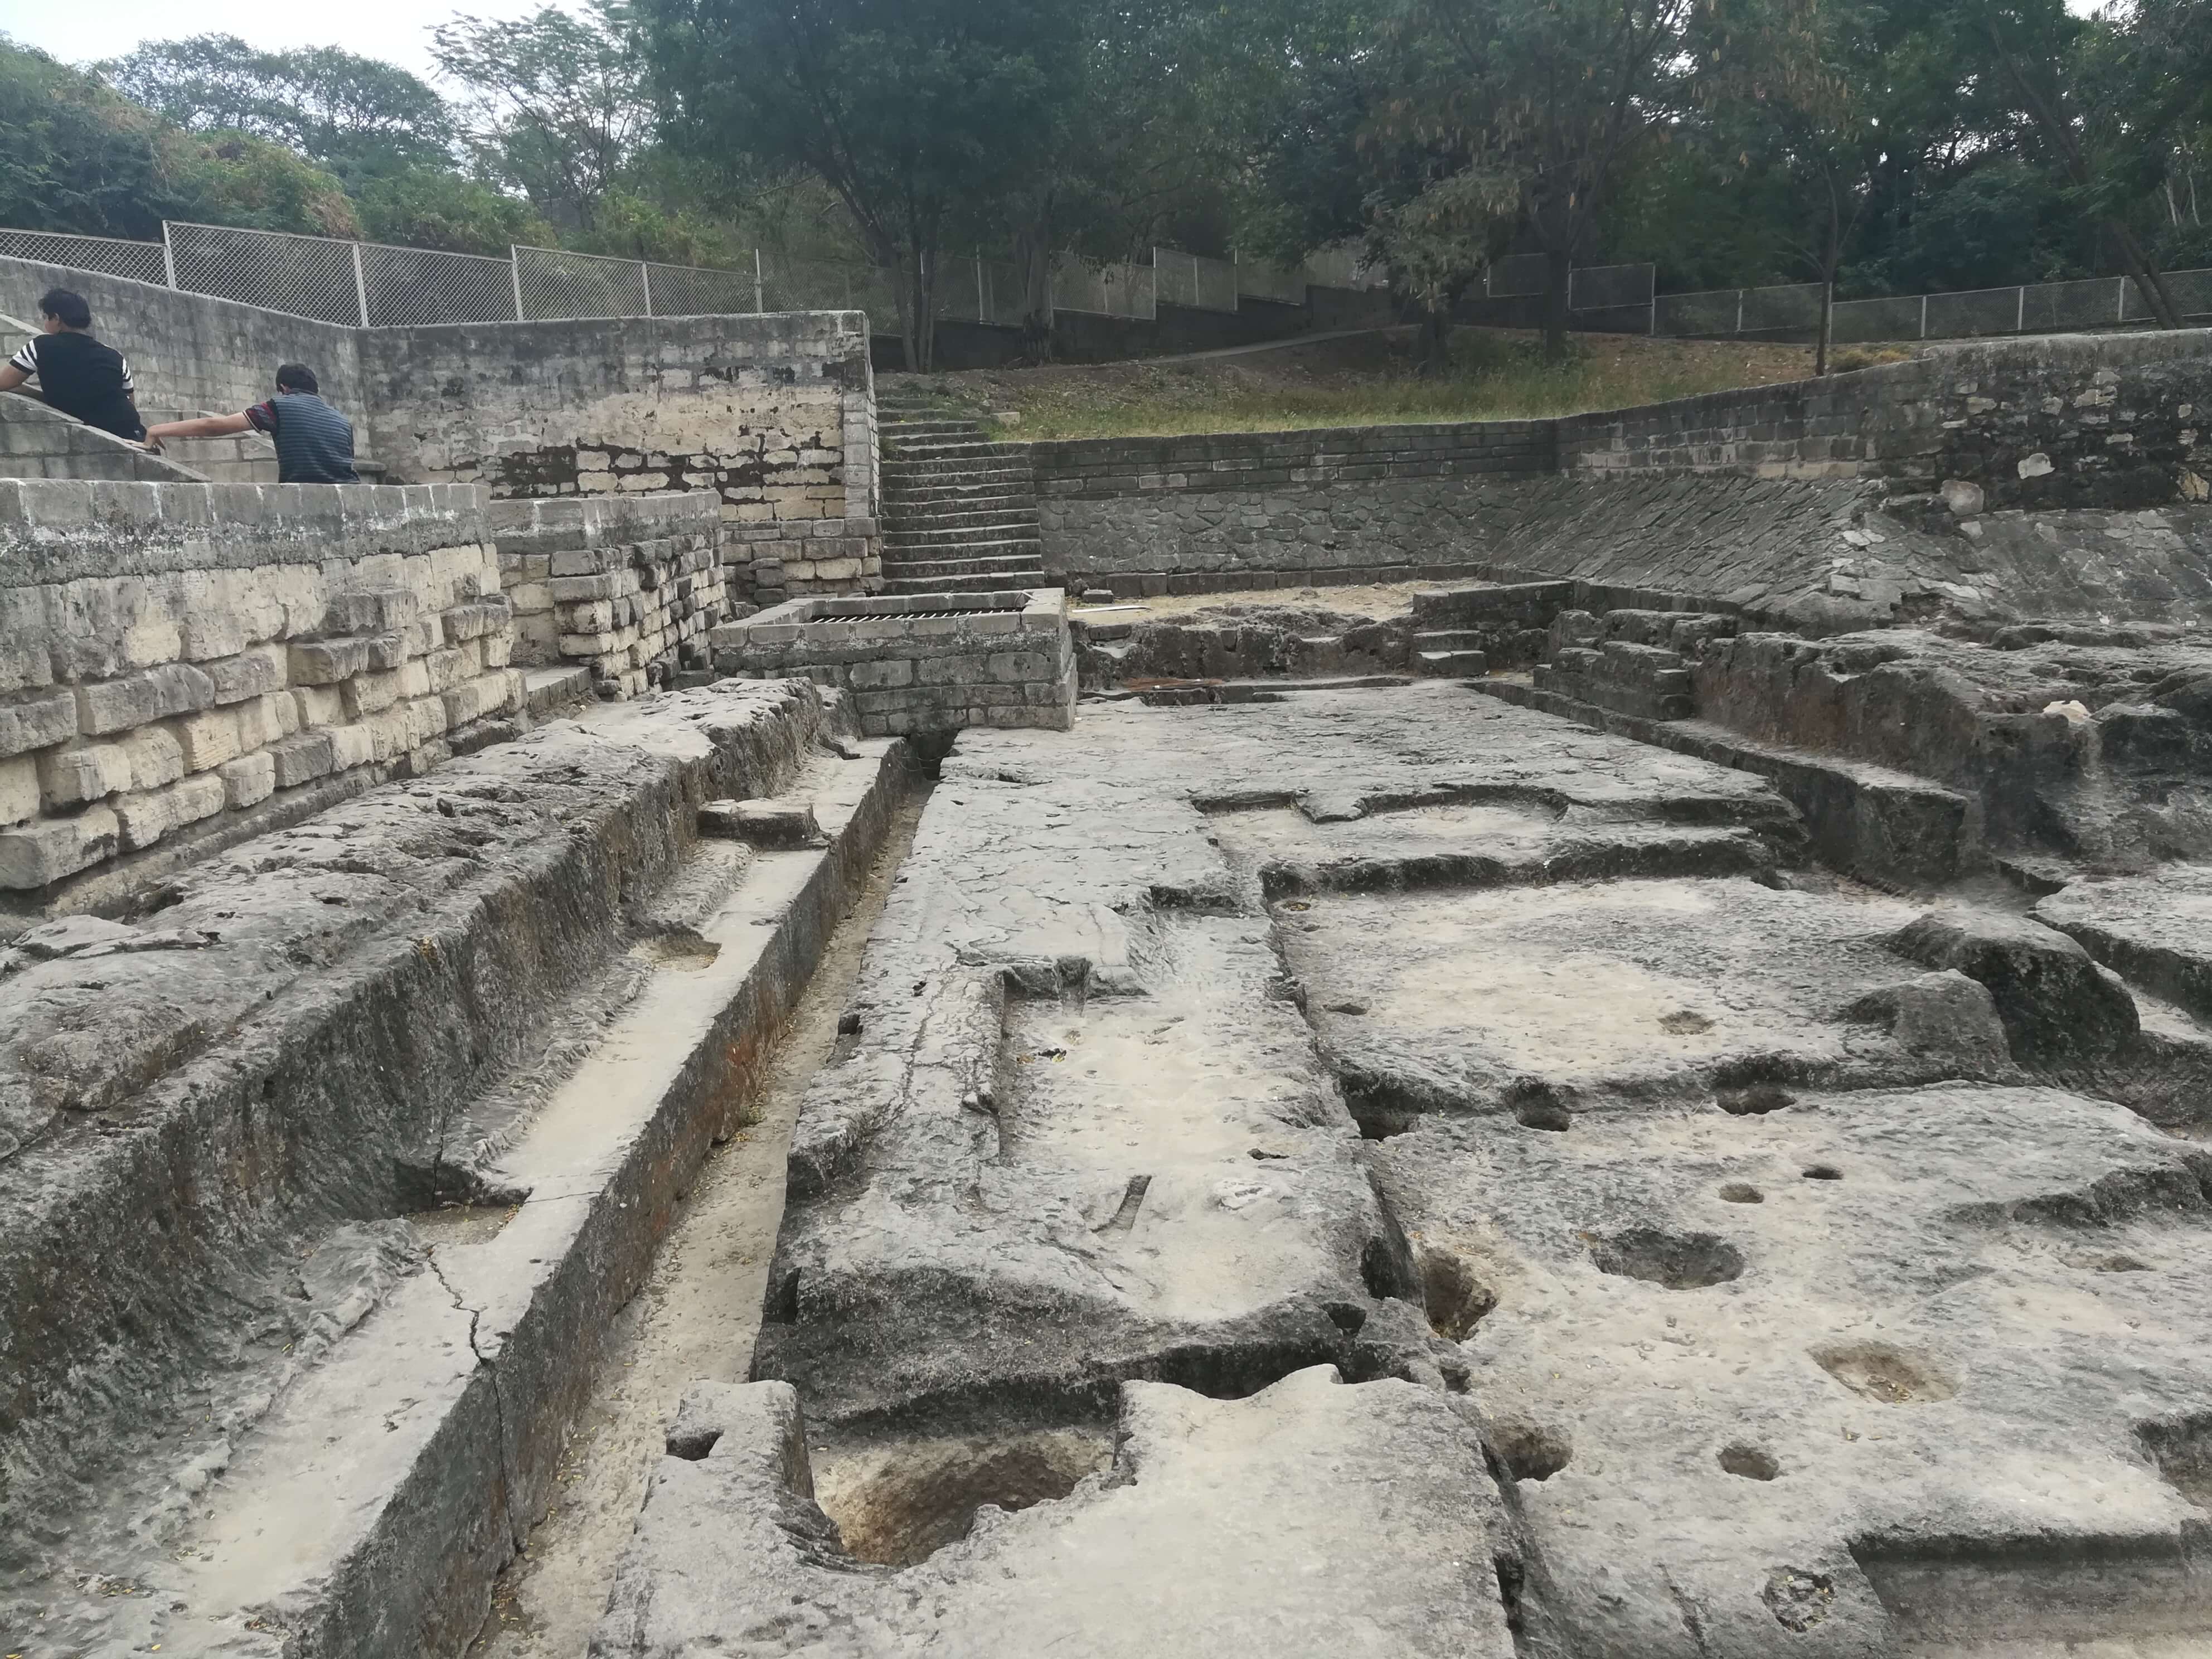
<point x="1632" y="662"/>
<point x="1448" y="653"/>
<point x="959" y="512"/>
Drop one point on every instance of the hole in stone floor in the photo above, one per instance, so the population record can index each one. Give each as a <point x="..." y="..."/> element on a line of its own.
<point x="1684" y="1022"/>
<point x="1876" y="1371"/>
<point x="1454" y="1293"/>
<point x="1679" y="1261"/>
<point x="1528" y="1451"/>
<point x="895" y="1505"/>
<point x="1538" y="1106"/>
<point x="678" y="948"/>
<point x="1754" y="1099"/>
<point x="1749" y="1461"/>
<point x="2102" y="1262"/>
<point x="1822" y="1172"/>
<point x="1743" y="1192"/>
<point x="1380" y="1108"/>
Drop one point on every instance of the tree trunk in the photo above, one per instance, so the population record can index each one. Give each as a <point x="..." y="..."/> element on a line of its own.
<point x="1831" y="256"/>
<point x="2150" y="281"/>
<point x="1558" y="272"/>
<point x="1033" y="258"/>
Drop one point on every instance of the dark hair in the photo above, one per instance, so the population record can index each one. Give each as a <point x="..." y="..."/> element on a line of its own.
<point x="295" y="377"/>
<point x="70" y="307"/>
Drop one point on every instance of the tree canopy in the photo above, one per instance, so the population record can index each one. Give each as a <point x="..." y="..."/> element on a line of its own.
<point x="1868" y="146"/>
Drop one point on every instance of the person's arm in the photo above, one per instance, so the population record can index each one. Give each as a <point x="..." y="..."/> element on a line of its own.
<point x="207" y="426"/>
<point x="21" y="367"/>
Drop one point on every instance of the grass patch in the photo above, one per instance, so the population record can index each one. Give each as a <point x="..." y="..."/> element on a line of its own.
<point x="1493" y="375"/>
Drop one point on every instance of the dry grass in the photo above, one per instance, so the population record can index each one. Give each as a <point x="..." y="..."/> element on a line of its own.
<point x="1494" y="375"/>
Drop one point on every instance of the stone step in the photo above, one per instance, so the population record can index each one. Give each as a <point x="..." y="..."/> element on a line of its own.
<point x="1029" y="552"/>
<point x="1448" y="639"/>
<point x="898" y="533"/>
<point x="961" y="499"/>
<point x="982" y="518"/>
<point x="973" y="448"/>
<point x="1016" y="559"/>
<point x="974" y="473"/>
<point x="1459" y="664"/>
<point x="988" y="582"/>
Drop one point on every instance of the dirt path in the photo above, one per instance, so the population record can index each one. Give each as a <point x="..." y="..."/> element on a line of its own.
<point x="696" y="1317"/>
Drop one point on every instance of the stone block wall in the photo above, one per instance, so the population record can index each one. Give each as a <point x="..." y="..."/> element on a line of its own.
<point x="171" y="652"/>
<point x="774" y="414"/>
<point x="1003" y="659"/>
<point x="1155" y="515"/>
<point x="38" y="442"/>
<point x="627" y="585"/>
<point x="2111" y="421"/>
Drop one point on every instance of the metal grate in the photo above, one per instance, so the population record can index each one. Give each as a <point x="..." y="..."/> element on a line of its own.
<point x="556" y="284"/>
<point x="307" y="275"/>
<point x="142" y="262"/>
<point x="410" y="285"/>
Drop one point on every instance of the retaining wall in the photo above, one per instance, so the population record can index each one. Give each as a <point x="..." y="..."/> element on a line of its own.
<point x="171" y="653"/>
<point x="628" y="586"/>
<point x="2062" y="421"/>
<point x="1153" y="515"/>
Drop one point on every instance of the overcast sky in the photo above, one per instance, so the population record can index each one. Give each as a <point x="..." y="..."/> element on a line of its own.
<point x="77" y="31"/>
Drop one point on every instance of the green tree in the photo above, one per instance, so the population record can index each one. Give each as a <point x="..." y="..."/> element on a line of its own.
<point x="555" y="104"/>
<point x="920" y="115"/>
<point x="356" y="117"/>
<point x="73" y="156"/>
<point x="1550" y="100"/>
<point x="439" y="208"/>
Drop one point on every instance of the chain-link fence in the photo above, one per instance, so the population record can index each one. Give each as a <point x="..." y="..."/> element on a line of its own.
<point x="1610" y="287"/>
<point x="1343" y="267"/>
<point x="2068" y="308"/>
<point x="144" y="262"/>
<point x="1193" y="281"/>
<point x="697" y="291"/>
<point x="1105" y="290"/>
<point x="404" y="285"/>
<point x="555" y="283"/>
<point x="1259" y="281"/>
<point x="307" y="275"/>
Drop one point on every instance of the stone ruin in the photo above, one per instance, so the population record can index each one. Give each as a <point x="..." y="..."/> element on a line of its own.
<point x="1646" y="1102"/>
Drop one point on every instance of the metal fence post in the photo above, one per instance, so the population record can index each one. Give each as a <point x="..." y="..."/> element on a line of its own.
<point x="2019" y="318"/>
<point x="515" y="269"/>
<point x="1924" y="316"/>
<point x="1739" y="311"/>
<point x="760" y="298"/>
<point x="645" y="275"/>
<point x="2121" y="315"/>
<point x="168" y="254"/>
<point x="982" y="311"/>
<point x="360" y="286"/>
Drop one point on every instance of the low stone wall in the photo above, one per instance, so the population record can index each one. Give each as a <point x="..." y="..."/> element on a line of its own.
<point x="1161" y="515"/>
<point x="766" y="564"/>
<point x="915" y="664"/>
<point x="774" y="415"/>
<point x="170" y="652"/>
<point x="627" y="586"/>
<point x="2065" y="420"/>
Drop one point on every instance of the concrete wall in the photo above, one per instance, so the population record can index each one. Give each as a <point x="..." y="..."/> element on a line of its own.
<point x="1151" y="515"/>
<point x="2068" y="421"/>
<point x="171" y="653"/>
<point x="626" y="585"/>
<point x="189" y="350"/>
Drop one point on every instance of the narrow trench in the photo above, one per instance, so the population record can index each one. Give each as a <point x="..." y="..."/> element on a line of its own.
<point x="695" y="1317"/>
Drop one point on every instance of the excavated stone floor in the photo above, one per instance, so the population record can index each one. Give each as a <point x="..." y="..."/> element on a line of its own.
<point x="1391" y="1172"/>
